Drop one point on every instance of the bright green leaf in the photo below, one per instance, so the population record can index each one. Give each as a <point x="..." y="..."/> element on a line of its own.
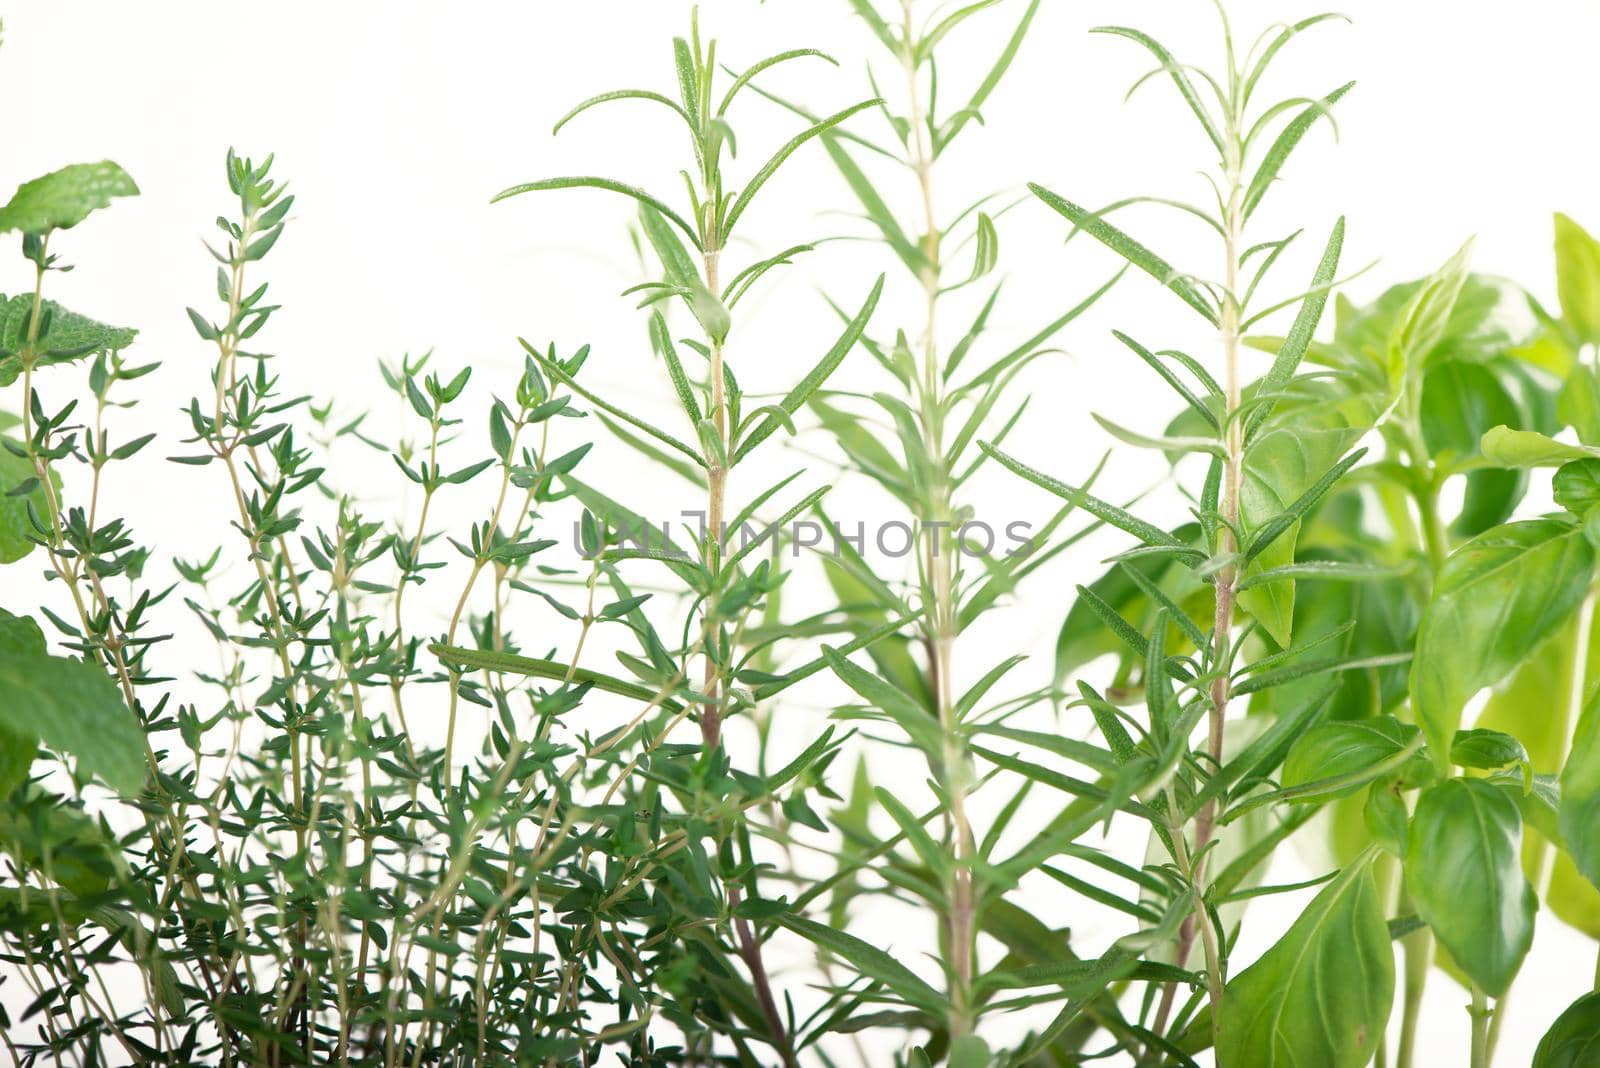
<point x="63" y="199"/>
<point x="1497" y="597"/>
<point x="1464" y="873"/>
<point x="1321" y="995"/>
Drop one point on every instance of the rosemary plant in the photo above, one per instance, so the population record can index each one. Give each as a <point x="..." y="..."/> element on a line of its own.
<point x="938" y="406"/>
<point x="704" y="808"/>
<point x="1273" y="452"/>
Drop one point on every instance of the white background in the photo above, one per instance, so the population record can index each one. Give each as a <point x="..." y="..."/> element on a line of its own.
<point x="395" y="124"/>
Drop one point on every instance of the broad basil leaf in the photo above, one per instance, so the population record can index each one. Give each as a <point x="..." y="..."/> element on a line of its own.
<point x="1083" y="636"/>
<point x="1481" y="747"/>
<point x="1521" y="706"/>
<point x="1580" y="794"/>
<point x="1331" y="750"/>
<point x="1320" y="996"/>
<point x="1578" y="279"/>
<point x="1526" y="448"/>
<point x="1464" y="872"/>
<point x="1460" y="403"/>
<point x="1578" y="404"/>
<point x="1577" y="486"/>
<point x="1497" y="597"/>
<point x="1308" y="432"/>
<point x="1573" y="1041"/>
<point x="1487" y="319"/>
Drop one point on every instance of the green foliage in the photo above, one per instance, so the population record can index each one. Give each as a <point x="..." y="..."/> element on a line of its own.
<point x="62" y="199"/>
<point x="1580" y="794"/>
<point x="1322" y="993"/>
<point x="1573" y="1041"/>
<point x="1497" y="598"/>
<point x="72" y="707"/>
<point x="1464" y="873"/>
<point x="21" y="494"/>
<point x="572" y="816"/>
<point x="1578" y="280"/>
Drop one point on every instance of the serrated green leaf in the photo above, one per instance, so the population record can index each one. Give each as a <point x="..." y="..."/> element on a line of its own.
<point x="63" y="199"/>
<point x="74" y="708"/>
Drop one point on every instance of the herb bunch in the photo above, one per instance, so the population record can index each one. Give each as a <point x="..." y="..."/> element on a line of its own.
<point x="493" y="776"/>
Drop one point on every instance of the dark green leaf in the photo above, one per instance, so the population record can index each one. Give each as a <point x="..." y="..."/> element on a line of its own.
<point x="1573" y="1041"/>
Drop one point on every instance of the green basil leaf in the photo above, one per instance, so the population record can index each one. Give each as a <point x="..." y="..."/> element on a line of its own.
<point x="1461" y="402"/>
<point x="1526" y="448"/>
<point x="1312" y="426"/>
<point x="1577" y="485"/>
<point x="1573" y="1041"/>
<point x="1578" y="404"/>
<point x="1463" y="872"/>
<point x="1335" y="750"/>
<point x="1521" y="706"/>
<point x="1580" y="794"/>
<point x="1578" y="278"/>
<point x="1497" y="597"/>
<point x="1484" y="748"/>
<point x="1322" y="994"/>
